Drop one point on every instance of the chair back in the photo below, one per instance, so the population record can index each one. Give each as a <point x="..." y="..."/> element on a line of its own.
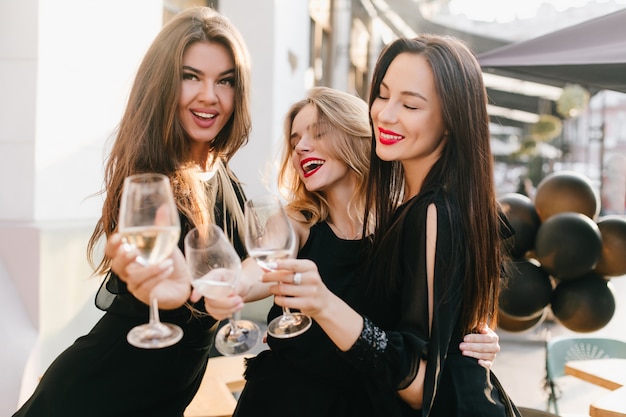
<point x="561" y="350"/>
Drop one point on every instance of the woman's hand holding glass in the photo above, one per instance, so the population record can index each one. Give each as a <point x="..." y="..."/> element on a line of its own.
<point x="269" y="238"/>
<point x="168" y="281"/>
<point x="216" y="271"/>
<point x="297" y="284"/>
<point x="149" y="224"/>
<point x="249" y="288"/>
<point x="311" y="296"/>
<point x="307" y="293"/>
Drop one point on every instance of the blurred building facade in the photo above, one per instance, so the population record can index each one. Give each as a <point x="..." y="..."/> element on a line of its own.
<point x="66" y="67"/>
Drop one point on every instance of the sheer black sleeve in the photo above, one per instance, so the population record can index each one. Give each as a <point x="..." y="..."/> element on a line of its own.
<point x="393" y="353"/>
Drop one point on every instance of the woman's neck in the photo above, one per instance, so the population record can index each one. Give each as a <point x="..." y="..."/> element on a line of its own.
<point x="202" y="156"/>
<point x="345" y="224"/>
<point x="415" y="172"/>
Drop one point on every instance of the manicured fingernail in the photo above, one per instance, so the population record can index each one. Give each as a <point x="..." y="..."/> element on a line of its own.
<point x="271" y="265"/>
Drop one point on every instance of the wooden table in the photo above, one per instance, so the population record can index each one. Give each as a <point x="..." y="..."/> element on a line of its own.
<point x="223" y="377"/>
<point x="607" y="373"/>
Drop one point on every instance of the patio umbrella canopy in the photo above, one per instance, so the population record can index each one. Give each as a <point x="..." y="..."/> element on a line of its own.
<point x="592" y="54"/>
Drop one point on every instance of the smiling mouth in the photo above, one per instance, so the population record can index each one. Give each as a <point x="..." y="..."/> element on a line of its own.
<point x="389" y="137"/>
<point x="204" y="115"/>
<point x="312" y="165"/>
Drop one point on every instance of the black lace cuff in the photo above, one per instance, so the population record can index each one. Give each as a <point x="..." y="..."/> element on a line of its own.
<point x="370" y="345"/>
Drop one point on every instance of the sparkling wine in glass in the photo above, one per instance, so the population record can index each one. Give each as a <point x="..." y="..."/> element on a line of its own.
<point x="269" y="238"/>
<point x="215" y="268"/>
<point x="149" y="223"/>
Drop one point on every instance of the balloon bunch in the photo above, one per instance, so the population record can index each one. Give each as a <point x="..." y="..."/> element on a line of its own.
<point x="563" y="256"/>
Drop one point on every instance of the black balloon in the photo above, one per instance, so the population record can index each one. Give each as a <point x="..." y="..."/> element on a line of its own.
<point x="565" y="191"/>
<point x="585" y="304"/>
<point x="613" y="258"/>
<point x="514" y="324"/>
<point x="526" y="290"/>
<point x="521" y="213"/>
<point x="568" y="245"/>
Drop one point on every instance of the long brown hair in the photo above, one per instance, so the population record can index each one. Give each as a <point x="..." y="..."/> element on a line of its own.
<point x="344" y="120"/>
<point x="464" y="171"/>
<point x="151" y="138"/>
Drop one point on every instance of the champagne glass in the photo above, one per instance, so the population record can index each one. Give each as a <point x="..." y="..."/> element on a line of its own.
<point x="215" y="268"/>
<point x="270" y="237"/>
<point x="148" y="222"/>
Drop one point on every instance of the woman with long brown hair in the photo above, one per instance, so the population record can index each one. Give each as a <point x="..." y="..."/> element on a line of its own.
<point x="186" y="116"/>
<point x="437" y="254"/>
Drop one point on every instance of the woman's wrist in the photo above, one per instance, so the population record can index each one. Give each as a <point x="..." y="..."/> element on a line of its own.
<point x="340" y="322"/>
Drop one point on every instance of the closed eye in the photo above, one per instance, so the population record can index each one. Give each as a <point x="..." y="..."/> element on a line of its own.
<point x="319" y="135"/>
<point x="293" y="141"/>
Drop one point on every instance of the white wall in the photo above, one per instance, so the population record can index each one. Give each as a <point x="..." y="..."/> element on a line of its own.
<point x="65" y="72"/>
<point x="87" y="57"/>
<point x="18" y="73"/>
<point x="273" y="30"/>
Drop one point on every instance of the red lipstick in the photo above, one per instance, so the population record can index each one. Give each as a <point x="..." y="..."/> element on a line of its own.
<point x="388" y="137"/>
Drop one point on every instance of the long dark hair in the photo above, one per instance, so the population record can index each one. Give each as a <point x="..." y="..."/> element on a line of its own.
<point x="150" y="137"/>
<point x="464" y="172"/>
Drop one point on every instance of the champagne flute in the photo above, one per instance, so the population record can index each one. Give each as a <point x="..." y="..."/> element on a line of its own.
<point x="270" y="237"/>
<point x="148" y="222"/>
<point x="215" y="268"/>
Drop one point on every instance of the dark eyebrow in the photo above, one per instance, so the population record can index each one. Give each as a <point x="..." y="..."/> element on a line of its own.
<point x="230" y="71"/>
<point x="407" y="93"/>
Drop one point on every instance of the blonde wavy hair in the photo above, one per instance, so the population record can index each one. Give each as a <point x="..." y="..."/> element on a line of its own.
<point x="344" y="120"/>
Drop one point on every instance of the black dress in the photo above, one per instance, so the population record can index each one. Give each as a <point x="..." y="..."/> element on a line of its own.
<point x="307" y="375"/>
<point x="455" y="385"/>
<point x="101" y="374"/>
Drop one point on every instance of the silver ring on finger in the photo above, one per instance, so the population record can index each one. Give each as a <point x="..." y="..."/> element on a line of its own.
<point x="297" y="278"/>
